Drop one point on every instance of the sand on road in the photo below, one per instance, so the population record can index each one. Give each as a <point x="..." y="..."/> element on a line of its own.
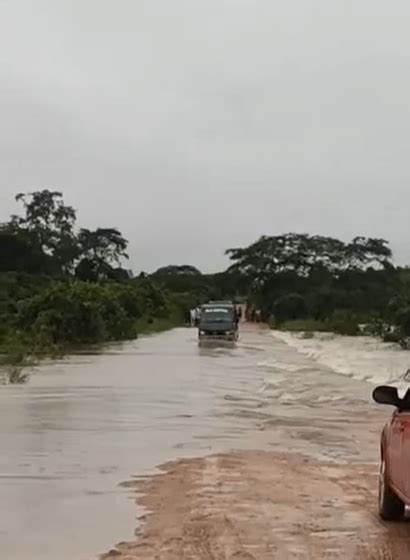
<point x="256" y="505"/>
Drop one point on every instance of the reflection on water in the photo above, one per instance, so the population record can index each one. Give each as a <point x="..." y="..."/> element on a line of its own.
<point x="83" y="425"/>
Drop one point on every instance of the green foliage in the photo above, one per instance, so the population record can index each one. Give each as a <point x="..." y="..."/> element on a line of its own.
<point x="341" y="285"/>
<point x="303" y="254"/>
<point x="18" y="253"/>
<point x="100" y="250"/>
<point x="60" y="287"/>
<point x="304" y="325"/>
<point x="289" y="306"/>
<point x="402" y="320"/>
<point x="344" y="321"/>
<point x="176" y="270"/>
<point x="49" y="224"/>
<point x="341" y="322"/>
<point x="392" y="336"/>
<point x="16" y="359"/>
<point x="44" y="240"/>
<point x="75" y="312"/>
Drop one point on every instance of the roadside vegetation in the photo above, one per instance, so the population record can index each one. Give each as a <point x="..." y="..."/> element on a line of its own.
<point x="309" y="283"/>
<point x="316" y="283"/>
<point x="63" y="288"/>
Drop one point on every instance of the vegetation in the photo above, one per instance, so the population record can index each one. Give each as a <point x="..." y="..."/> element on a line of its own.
<point x="309" y="283"/>
<point x="62" y="287"/>
<point x="322" y="282"/>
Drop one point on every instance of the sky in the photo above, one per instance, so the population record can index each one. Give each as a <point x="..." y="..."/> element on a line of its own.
<point x="198" y="125"/>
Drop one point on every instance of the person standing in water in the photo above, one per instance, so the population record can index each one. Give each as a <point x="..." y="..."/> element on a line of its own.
<point x="239" y="313"/>
<point x="197" y="316"/>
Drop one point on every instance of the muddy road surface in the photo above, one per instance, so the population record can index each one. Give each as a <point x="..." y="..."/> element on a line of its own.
<point x="274" y="455"/>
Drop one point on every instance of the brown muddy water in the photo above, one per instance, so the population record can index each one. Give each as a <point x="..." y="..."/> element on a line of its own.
<point x="83" y="425"/>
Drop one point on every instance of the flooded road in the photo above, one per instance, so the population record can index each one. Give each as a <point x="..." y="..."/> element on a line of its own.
<point x="83" y="425"/>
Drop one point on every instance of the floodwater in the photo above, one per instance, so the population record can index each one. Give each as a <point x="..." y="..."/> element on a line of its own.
<point x="83" y="425"/>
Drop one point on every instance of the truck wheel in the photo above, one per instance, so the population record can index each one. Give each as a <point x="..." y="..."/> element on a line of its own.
<point x="391" y="507"/>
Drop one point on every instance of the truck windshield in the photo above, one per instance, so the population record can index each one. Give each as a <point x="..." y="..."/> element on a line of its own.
<point x="217" y="316"/>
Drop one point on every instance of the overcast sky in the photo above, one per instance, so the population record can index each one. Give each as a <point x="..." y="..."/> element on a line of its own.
<point x="197" y="125"/>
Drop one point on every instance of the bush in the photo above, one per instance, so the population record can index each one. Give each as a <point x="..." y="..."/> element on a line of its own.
<point x="289" y="306"/>
<point x="402" y="320"/>
<point x="304" y="325"/>
<point x="81" y="313"/>
<point x="392" y="336"/>
<point x="344" y="322"/>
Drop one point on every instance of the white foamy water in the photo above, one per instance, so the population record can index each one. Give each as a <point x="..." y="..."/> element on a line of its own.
<point x="363" y="358"/>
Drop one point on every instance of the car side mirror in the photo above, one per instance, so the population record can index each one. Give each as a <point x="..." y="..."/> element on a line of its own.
<point x="384" y="394"/>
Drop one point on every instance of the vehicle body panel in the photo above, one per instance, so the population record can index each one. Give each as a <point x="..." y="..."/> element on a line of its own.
<point x="218" y="322"/>
<point x="395" y="449"/>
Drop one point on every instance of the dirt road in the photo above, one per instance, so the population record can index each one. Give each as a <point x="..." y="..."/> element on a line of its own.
<point x="263" y="506"/>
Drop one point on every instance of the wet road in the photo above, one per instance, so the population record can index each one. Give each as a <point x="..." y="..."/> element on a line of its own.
<point x="83" y="425"/>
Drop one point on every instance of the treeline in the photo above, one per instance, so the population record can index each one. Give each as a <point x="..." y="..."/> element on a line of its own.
<point x="311" y="282"/>
<point x="338" y="285"/>
<point x="61" y="286"/>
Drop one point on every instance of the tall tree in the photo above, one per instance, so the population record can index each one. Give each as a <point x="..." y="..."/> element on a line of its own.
<point x="303" y="254"/>
<point x="363" y="252"/>
<point x="177" y="270"/>
<point x="17" y="253"/>
<point x="49" y="224"/>
<point x="101" y="251"/>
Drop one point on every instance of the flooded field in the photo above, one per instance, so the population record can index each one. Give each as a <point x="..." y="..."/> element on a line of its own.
<point x="82" y="426"/>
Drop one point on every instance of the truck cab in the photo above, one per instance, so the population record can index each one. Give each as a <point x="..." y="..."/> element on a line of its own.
<point x="219" y="321"/>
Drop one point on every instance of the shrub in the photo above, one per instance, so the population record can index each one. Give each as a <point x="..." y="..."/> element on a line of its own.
<point x="79" y="313"/>
<point x="344" y="322"/>
<point x="289" y="306"/>
<point x="304" y="325"/>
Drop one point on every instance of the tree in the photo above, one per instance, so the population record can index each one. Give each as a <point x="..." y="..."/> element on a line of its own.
<point x="19" y="254"/>
<point x="177" y="270"/>
<point x="327" y="272"/>
<point x="183" y="279"/>
<point x="295" y="252"/>
<point x="363" y="252"/>
<point x="289" y="306"/>
<point x="50" y="225"/>
<point x="101" y="251"/>
<point x="304" y="254"/>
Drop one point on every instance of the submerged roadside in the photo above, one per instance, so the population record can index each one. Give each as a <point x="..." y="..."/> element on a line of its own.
<point x="20" y="355"/>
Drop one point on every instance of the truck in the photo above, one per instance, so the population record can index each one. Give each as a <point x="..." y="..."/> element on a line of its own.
<point x="219" y="321"/>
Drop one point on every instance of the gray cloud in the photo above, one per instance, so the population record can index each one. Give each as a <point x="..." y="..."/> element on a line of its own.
<point x="194" y="126"/>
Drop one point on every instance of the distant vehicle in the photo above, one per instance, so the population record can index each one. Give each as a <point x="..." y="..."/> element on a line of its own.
<point x="394" y="482"/>
<point x="219" y="321"/>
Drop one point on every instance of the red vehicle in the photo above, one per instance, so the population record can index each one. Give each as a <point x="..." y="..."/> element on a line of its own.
<point x="394" y="482"/>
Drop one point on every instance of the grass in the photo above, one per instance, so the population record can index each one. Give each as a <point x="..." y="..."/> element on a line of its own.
<point x="16" y="363"/>
<point x="152" y="326"/>
<point x="341" y="322"/>
<point x="304" y="325"/>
